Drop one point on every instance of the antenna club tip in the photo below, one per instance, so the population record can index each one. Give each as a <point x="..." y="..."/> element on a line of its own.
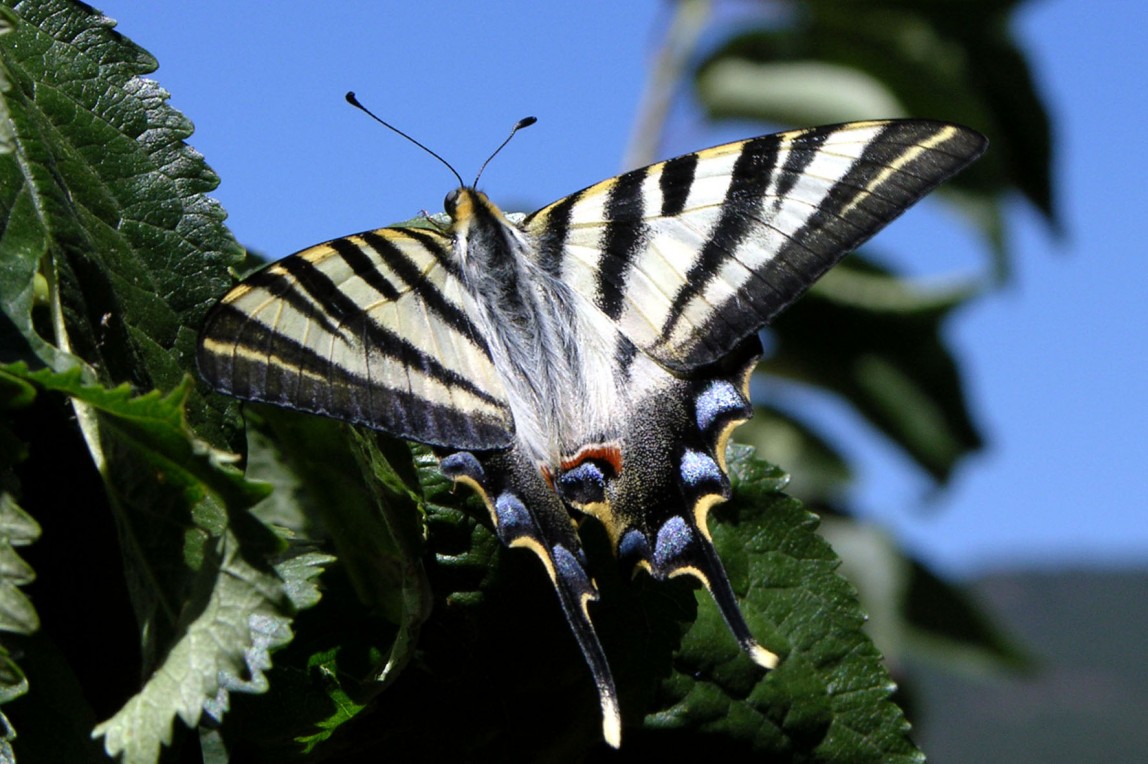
<point x="525" y="122"/>
<point x="351" y="98"/>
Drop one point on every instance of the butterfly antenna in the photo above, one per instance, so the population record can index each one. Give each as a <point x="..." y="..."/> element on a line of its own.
<point x="355" y="102"/>
<point x="524" y="122"/>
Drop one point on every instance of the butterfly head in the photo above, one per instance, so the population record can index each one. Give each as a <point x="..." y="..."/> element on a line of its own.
<point x="459" y="202"/>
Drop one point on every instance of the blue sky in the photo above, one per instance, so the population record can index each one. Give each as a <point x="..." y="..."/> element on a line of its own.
<point x="1055" y="362"/>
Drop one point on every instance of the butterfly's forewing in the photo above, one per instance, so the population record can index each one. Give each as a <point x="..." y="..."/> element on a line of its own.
<point x="691" y="255"/>
<point x="371" y="329"/>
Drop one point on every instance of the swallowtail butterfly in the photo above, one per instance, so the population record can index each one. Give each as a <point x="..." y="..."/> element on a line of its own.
<point x="590" y="359"/>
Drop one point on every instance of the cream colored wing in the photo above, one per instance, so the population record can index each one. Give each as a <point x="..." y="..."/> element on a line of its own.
<point x="371" y="329"/>
<point x="691" y="255"/>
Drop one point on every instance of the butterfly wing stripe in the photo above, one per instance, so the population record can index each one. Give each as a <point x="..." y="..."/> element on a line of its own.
<point x="552" y="236"/>
<point x="751" y="178"/>
<point x="334" y="299"/>
<point x="797" y="226"/>
<point x="271" y="367"/>
<point x="250" y="335"/>
<point x="435" y="246"/>
<point x="377" y="318"/>
<point x="364" y="267"/>
<point x="624" y="241"/>
<point x="702" y="250"/>
<point x="729" y="267"/>
<point x="294" y="280"/>
<point x="434" y="299"/>
<point x="881" y="182"/>
<point x="674" y="182"/>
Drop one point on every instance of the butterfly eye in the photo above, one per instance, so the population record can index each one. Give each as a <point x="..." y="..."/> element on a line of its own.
<point x="450" y="203"/>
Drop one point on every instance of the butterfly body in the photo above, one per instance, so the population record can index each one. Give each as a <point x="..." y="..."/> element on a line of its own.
<point x="592" y="359"/>
<point x="551" y="346"/>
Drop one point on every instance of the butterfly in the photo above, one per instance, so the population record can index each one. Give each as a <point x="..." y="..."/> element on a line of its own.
<point x="590" y="359"/>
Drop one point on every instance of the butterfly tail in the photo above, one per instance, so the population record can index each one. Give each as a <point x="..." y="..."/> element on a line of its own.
<point x="706" y="566"/>
<point x="576" y="591"/>
<point x="528" y="514"/>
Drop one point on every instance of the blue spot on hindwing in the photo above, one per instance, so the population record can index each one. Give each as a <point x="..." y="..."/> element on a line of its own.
<point x="674" y="538"/>
<point x="570" y="570"/>
<point x="719" y="399"/>
<point x="514" y="519"/>
<point x="584" y="484"/>
<point x="633" y="547"/>
<point x="462" y="464"/>
<point x="698" y="469"/>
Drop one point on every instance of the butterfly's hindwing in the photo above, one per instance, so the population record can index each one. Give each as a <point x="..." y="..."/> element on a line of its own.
<point x="373" y="329"/>
<point x="592" y="360"/>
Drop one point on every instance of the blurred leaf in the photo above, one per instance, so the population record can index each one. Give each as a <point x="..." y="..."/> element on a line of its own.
<point x="826" y="61"/>
<point x="948" y="625"/>
<point x="818" y="472"/>
<point x="914" y="612"/>
<point x="806" y="92"/>
<point x="876" y="340"/>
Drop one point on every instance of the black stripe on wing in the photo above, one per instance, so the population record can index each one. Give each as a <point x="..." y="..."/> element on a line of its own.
<point x="414" y="278"/>
<point x="552" y="236"/>
<point x="293" y="335"/>
<point x="268" y="367"/>
<point x="859" y="205"/>
<point x="751" y="177"/>
<point x="622" y="242"/>
<point x="692" y="255"/>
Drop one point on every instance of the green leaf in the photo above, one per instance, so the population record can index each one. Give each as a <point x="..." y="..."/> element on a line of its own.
<point x="8" y="21"/>
<point x="17" y="528"/>
<point x="876" y="340"/>
<point x="112" y="254"/>
<point x="361" y="499"/>
<point x="104" y="201"/>
<point x="225" y="648"/>
<point x="210" y="605"/>
<point x="829" y="700"/>
<point x="346" y="708"/>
